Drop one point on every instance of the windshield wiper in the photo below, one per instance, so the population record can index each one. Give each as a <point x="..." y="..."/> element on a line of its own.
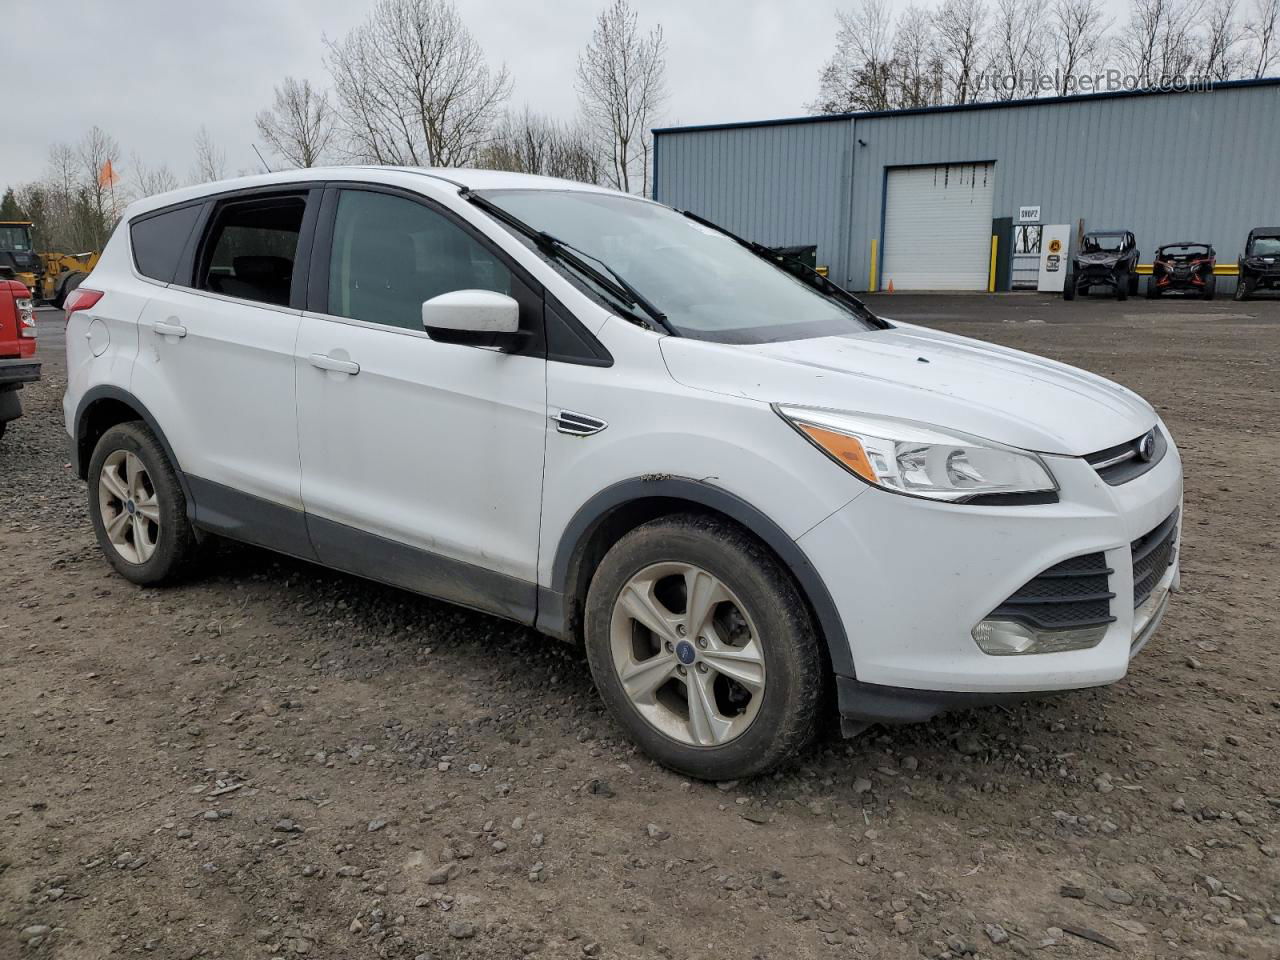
<point x="607" y="278"/>
<point x="796" y="268"/>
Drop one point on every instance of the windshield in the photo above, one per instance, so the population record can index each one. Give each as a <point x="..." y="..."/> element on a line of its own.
<point x="708" y="286"/>
<point x="15" y="239"/>
<point x="1103" y="243"/>
<point x="1265" y="247"/>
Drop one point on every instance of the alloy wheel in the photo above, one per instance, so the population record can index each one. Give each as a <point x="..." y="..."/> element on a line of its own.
<point x="687" y="654"/>
<point x="130" y="507"/>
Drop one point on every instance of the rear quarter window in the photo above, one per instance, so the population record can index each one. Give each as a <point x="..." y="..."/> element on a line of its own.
<point x="158" y="241"/>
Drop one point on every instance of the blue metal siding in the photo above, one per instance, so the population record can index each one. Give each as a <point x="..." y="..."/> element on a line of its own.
<point x="1177" y="166"/>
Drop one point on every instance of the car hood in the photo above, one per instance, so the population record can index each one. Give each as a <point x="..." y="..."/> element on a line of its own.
<point x="919" y="374"/>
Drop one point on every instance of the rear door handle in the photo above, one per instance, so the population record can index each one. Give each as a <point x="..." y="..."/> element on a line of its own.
<point x="167" y="328"/>
<point x="325" y="362"/>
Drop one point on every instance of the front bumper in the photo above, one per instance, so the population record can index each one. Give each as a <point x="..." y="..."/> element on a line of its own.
<point x="911" y="578"/>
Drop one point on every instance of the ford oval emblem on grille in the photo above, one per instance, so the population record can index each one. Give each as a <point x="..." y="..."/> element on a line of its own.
<point x="1147" y="447"/>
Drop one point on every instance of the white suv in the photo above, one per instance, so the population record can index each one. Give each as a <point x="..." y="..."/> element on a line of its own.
<point x="590" y="413"/>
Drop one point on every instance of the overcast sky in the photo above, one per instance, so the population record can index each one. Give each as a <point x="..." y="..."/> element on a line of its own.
<point x="149" y="72"/>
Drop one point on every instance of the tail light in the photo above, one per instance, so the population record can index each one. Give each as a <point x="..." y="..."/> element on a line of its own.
<point x="80" y="299"/>
<point x="26" y="317"/>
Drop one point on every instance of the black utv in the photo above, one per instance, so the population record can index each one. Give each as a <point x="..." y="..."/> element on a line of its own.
<point x="1186" y="266"/>
<point x="1106" y="258"/>
<point x="1260" y="265"/>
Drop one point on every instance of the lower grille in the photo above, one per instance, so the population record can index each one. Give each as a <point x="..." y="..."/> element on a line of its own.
<point x="1152" y="554"/>
<point x="1073" y="593"/>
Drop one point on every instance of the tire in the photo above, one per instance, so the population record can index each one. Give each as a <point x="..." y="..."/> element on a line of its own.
<point x="1133" y="284"/>
<point x="1069" y="288"/>
<point x="1210" y="288"/>
<point x="69" y="284"/>
<point x="1153" y="291"/>
<point x="1122" y="285"/>
<point x="4" y="425"/>
<point x="1243" y="289"/>
<point x="155" y="543"/>
<point x="770" y="636"/>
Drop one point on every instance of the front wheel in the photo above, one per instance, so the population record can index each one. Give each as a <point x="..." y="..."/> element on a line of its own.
<point x="1122" y="285"/>
<point x="703" y="649"/>
<point x="1244" y="289"/>
<point x="138" y="508"/>
<point x="1153" y="289"/>
<point x="1069" y="288"/>
<point x="1211" y="287"/>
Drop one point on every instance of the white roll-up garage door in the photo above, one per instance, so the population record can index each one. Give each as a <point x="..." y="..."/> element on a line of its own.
<point x="937" y="227"/>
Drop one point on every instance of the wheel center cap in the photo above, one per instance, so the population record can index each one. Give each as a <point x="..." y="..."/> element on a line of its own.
<point x="131" y="506"/>
<point x="685" y="652"/>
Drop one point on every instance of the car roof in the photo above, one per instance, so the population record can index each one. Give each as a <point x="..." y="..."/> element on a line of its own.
<point x="1265" y="232"/>
<point x="1092" y="233"/>
<point x="1185" y="243"/>
<point x="461" y="178"/>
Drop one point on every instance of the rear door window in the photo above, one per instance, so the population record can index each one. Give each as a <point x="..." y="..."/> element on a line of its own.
<point x="158" y="240"/>
<point x="251" y="247"/>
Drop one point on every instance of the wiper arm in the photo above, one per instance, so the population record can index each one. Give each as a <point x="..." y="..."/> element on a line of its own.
<point x="796" y="268"/>
<point x="608" y="278"/>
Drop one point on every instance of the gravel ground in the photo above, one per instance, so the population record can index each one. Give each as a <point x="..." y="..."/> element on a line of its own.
<point x="274" y="760"/>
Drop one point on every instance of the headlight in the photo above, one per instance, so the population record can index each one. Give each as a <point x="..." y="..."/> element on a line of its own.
<point x="920" y="460"/>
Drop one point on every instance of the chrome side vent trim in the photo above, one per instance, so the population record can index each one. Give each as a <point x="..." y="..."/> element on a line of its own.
<point x="577" y="424"/>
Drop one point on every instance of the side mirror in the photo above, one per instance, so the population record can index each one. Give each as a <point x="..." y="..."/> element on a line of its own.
<point x="478" y="318"/>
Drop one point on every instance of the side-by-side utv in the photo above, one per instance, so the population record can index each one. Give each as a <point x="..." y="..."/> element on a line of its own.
<point x="1186" y="266"/>
<point x="1260" y="265"/>
<point x="1106" y="258"/>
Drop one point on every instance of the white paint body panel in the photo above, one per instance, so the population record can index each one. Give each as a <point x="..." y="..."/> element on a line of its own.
<point x="448" y="447"/>
<point x="477" y="311"/>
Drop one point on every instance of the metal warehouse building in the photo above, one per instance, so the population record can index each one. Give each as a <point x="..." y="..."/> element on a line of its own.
<point x="955" y="198"/>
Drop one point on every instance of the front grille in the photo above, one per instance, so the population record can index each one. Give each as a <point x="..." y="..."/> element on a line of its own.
<point x="1152" y="554"/>
<point x="1122" y="463"/>
<point x="1073" y="593"/>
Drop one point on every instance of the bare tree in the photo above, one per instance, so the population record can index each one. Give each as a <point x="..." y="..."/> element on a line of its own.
<point x="1222" y="47"/>
<point x="530" y="143"/>
<point x="859" y="75"/>
<point x="147" y="181"/>
<point x="962" y="37"/>
<point x="917" y="61"/>
<point x="299" y="125"/>
<point x="414" y="87"/>
<point x="621" y="86"/>
<point x="1079" y="31"/>
<point x="99" y="155"/>
<point x="1158" y="42"/>
<point x="1018" y="47"/>
<point x="211" y="160"/>
<point x="1262" y="32"/>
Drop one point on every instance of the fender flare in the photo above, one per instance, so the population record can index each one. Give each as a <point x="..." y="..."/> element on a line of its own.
<point x="584" y="521"/>
<point x="108" y="392"/>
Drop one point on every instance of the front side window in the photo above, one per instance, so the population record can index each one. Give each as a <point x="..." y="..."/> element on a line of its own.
<point x="250" y="249"/>
<point x="708" y="286"/>
<point x="390" y="254"/>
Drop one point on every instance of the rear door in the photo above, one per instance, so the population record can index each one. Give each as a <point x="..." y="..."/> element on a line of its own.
<point x="421" y="461"/>
<point x="215" y="364"/>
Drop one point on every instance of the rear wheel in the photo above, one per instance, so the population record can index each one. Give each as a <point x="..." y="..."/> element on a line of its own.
<point x="703" y="649"/>
<point x="138" y="508"/>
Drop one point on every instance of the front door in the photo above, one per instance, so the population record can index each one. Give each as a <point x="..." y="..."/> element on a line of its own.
<point x="421" y="461"/>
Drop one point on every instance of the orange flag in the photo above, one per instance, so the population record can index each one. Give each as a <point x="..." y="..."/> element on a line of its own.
<point x="107" y="176"/>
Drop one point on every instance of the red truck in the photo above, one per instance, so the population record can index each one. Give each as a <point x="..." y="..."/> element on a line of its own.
<point x="17" y="348"/>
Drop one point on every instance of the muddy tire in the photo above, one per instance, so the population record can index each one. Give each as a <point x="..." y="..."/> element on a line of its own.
<point x="138" y="508"/>
<point x="703" y="649"/>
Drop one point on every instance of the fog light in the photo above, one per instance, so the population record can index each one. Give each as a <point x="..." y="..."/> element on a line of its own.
<point x="1009" y="638"/>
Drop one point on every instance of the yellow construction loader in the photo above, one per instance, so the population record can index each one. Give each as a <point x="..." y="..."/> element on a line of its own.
<point x="49" y="276"/>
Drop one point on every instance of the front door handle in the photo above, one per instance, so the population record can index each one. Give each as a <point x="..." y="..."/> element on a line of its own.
<point x="169" y="328"/>
<point x="325" y="362"/>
